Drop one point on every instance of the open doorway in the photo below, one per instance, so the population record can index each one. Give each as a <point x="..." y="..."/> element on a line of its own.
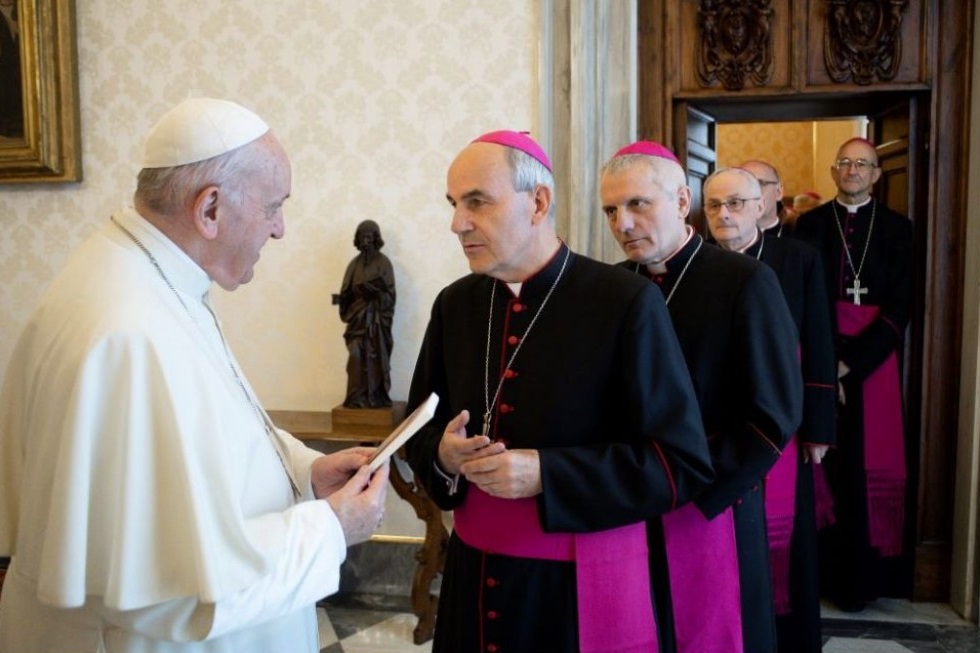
<point x="801" y="151"/>
<point x="801" y="138"/>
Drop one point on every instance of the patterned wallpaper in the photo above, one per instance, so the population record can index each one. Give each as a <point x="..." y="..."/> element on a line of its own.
<point x="788" y="146"/>
<point x="371" y="99"/>
<point x="801" y="151"/>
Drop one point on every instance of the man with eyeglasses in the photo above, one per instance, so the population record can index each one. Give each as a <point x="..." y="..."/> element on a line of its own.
<point x="771" y="189"/>
<point x="739" y="343"/>
<point x="790" y="493"/>
<point x="867" y="253"/>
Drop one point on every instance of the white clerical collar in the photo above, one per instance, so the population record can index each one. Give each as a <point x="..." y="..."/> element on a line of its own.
<point x="852" y="208"/>
<point x="515" y="287"/>
<point x="180" y="269"/>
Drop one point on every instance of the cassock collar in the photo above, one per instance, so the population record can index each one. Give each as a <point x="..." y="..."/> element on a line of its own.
<point x="537" y="285"/>
<point x="678" y="261"/>
<point x="772" y="227"/>
<point x="776" y="230"/>
<point x="755" y="249"/>
<point x="854" y="208"/>
<point x="180" y="269"/>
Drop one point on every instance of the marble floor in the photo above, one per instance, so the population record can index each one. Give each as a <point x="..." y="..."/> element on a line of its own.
<point x="886" y="626"/>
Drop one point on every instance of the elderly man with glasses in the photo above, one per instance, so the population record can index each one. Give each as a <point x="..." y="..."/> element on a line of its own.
<point x="740" y="347"/>
<point x="867" y="254"/>
<point x="791" y="516"/>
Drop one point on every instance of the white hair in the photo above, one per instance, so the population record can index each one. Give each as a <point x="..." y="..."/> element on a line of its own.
<point x="527" y="173"/>
<point x="666" y="174"/>
<point x="167" y="190"/>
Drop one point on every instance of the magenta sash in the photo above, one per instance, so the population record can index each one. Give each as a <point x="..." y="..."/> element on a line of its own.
<point x="780" y="511"/>
<point x="612" y="569"/>
<point x="704" y="585"/>
<point x="884" y="440"/>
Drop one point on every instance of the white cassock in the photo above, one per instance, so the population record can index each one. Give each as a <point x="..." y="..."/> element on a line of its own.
<point x="142" y="500"/>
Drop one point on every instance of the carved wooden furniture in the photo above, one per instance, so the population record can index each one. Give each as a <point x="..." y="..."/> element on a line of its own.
<point x="370" y="426"/>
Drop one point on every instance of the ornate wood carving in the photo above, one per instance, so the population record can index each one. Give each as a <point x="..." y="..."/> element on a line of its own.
<point x="431" y="556"/>
<point x="735" y="42"/>
<point x="862" y="40"/>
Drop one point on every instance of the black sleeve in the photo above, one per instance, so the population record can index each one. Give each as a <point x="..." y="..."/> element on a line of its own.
<point x="422" y="450"/>
<point x="817" y="359"/>
<point x="653" y="456"/>
<point x="770" y="388"/>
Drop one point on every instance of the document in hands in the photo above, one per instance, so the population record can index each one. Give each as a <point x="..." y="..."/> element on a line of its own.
<point x="409" y="427"/>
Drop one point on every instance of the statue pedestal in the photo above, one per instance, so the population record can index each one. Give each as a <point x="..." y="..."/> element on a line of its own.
<point x="371" y="422"/>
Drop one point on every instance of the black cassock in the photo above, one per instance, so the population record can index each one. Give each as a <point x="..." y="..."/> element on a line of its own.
<point x="740" y="345"/>
<point x="781" y="229"/>
<point x="853" y="571"/>
<point x="583" y="392"/>
<point x="800" y="273"/>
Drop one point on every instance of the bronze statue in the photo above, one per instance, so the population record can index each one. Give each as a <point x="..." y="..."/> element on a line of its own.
<point x="367" y="305"/>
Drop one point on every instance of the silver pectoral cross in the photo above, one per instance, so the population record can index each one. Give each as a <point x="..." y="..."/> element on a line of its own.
<point x="857" y="291"/>
<point x="486" y="424"/>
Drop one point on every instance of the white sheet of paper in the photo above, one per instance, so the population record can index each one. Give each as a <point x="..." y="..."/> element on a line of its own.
<point x="409" y="427"/>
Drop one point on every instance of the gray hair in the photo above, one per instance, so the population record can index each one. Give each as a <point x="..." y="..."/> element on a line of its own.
<point x="527" y="173"/>
<point x="667" y="175"/>
<point x="167" y="190"/>
<point x="753" y="181"/>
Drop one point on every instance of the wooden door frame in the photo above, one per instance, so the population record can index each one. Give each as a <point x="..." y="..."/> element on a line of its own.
<point x="942" y="232"/>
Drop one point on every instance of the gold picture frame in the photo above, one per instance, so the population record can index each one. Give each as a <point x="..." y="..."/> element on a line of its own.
<point x="46" y="145"/>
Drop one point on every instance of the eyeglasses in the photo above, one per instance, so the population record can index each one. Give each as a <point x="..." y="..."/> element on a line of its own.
<point x="734" y="205"/>
<point x="858" y="164"/>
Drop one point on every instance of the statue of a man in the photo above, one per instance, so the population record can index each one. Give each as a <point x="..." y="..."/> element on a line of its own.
<point x="367" y="305"/>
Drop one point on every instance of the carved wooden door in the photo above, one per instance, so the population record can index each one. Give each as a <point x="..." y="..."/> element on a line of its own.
<point x="769" y="60"/>
<point x="697" y="149"/>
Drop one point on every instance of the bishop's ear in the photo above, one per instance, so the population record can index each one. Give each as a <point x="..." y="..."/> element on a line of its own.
<point x="683" y="201"/>
<point x="542" y="203"/>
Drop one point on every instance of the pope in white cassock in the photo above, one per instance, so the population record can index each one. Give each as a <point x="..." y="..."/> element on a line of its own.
<point x="146" y="500"/>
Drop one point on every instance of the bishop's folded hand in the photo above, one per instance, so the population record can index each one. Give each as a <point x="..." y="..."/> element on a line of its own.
<point x="513" y="474"/>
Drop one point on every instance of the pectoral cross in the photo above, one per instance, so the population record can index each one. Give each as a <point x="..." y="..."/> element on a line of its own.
<point x="486" y="424"/>
<point x="857" y="291"/>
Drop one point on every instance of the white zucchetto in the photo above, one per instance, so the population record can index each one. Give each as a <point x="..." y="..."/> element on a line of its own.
<point x="199" y="129"/>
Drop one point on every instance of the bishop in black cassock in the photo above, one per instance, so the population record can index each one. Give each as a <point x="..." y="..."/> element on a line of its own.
<point x="740" y="346"/>
<point x="592" y="384"/>
<point x="800" y="275"/>
<point x="789" y="490"/>
<point x="867" y="254"/>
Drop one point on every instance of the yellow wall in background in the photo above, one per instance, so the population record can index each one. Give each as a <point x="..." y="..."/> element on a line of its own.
<point x="801" y="151"/>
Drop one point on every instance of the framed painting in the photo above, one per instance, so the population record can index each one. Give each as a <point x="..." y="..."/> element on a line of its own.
<point x="39" y="125"/>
